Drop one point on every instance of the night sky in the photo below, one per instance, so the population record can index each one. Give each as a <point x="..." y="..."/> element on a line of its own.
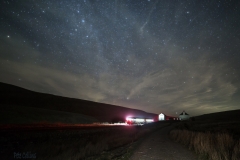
<point x="157" y="56"/>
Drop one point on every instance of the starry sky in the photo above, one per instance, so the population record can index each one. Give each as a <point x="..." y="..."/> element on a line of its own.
<point x="153" y="55"/>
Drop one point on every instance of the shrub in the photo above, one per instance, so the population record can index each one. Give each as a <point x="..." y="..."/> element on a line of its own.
<point x="219" y="146"/>
<point x="236" y="151"/>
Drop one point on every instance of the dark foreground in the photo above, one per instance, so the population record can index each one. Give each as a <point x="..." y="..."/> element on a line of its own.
<point x="158" y="146"/>
<point x="71" y="143"/>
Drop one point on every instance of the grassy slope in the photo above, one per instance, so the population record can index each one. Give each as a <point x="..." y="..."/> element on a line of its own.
<point x="228" y="121"/>
<point x="25" y="115"/>
<point x="212" y="136"/>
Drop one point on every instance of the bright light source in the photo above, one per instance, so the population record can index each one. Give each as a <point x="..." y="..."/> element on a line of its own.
<point x="149" y="120"/>
<point x="139" y="120"/>
<point x="129" y="119"/>
<point x="133" y="120"/>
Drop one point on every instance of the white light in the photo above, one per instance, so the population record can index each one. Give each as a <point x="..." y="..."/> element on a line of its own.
<point x="129" y="119"/>
<point x="149" y="120"/>
<point x="139" y="120"/>
<point x="161" y="117"/>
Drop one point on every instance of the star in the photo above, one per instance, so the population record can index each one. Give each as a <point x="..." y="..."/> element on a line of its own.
<point x="102" y="50"/>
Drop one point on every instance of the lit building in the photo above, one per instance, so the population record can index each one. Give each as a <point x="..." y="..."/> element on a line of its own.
<point x="184" y="116"/>
<point x="161" y="117"/>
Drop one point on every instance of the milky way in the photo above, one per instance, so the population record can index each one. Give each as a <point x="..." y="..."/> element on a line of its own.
<point x="157" y="56"/>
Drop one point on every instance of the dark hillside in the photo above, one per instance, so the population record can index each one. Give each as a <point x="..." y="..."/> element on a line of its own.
<point x="16" y="96"/>
<point x="233" y="115"/>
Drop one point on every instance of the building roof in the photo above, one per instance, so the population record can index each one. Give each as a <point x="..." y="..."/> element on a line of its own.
<point x="183" y="113"/>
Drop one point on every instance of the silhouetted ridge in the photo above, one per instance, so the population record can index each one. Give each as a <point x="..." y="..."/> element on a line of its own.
<point x="17" y="96"/>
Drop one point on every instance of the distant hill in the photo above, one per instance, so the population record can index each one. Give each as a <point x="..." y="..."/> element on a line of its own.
<point x="14" y="96"/>
<point x="233" y="115"/>
<point x="25" y="115"/>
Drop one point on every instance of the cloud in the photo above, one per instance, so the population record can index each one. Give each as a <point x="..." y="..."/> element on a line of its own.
<point x="187" y="85"/>
<point x="198" y="86"/>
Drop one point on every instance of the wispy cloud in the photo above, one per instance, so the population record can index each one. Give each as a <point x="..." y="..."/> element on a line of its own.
<point x="196" y="85"/>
